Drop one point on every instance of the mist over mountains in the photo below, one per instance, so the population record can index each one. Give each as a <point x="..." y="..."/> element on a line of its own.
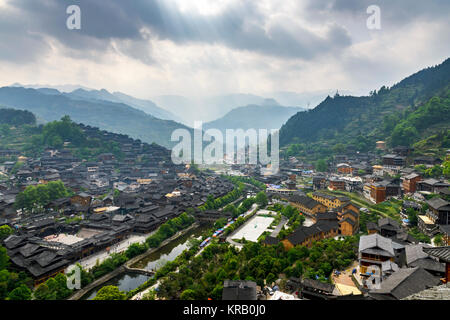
<point x="144" y="119"/>
<point x="267" y="116"/>
<point x="186" y="109"/>
<point x="212" y="108"/>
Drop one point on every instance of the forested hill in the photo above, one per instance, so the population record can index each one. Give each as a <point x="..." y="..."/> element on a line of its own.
<point x="85" y="142"/>
<point x="360" y="121"/>
<point x="16" y="117"/>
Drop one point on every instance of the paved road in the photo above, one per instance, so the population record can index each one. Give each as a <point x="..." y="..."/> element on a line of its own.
<point x="229" y="238"/>
<point x="344" y="282"/>
<point x="277" y="230"/>
<point x="89" y="262"/>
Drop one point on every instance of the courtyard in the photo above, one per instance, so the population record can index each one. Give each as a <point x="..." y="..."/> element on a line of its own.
<point x="253" y="228"/>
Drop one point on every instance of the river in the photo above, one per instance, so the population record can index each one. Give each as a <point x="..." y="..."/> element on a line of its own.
<point x="130" y="281"/>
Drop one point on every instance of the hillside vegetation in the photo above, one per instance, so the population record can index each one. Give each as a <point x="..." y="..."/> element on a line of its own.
<point x="404" y="114"/>
<point x="16" y="117"/>
<point x="32" y="139"/>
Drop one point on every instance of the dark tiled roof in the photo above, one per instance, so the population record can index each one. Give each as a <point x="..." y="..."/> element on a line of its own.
<point x="403" y="283"/>
<point x="348" y="220"/>
<point x="239" y="290"/>
<point x="305" y="201"/>
<point x="315" y="284"/>
<point x="437" y="203"/>
<point x="372" y="226"/>
<point x="269" y="240"/>
<point x="14" y="241"/>
<point x="443" y="253"/>
<point x="429" y="265"/>
<point x="412" y="176"/>
<point x="414" y="252"/>
<point x="388" y="223"/>
<point x="302" y="233"/>
<point x="353" y="213"/>
<point x="327" y="216"/>
<point x="445" y="228"/>
<point x="29" y="249"/>
<point x="376" y="243"/>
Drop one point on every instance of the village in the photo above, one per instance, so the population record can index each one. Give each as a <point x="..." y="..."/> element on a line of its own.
<point x="401" y="219"/>
<point x="95" y="217"/>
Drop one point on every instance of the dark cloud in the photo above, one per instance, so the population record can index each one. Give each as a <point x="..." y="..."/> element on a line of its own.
<point x="398" y="12"/>
<point x="17" y="42"/>
<point x="239" y="26"/>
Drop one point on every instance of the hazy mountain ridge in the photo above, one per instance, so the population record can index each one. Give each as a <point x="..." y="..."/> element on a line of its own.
<point x="254" y="117"/>
<point x="145" y="105"/>
<point x="107" y="115"/>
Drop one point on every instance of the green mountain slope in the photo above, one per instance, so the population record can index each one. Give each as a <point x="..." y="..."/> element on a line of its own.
<point x="18" y="131"/>
<point x="358" y="122"/>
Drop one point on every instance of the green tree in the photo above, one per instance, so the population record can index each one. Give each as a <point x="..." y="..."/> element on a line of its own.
<point x="230" y="208"/>
<point x="188" y="295"/>
<point x="135" y="249"/>
<point x="412" y="216"/>
<point x="339" y="148"/>
<point x="37" y="196"/>
<point x="150" y="295"/>
<point x="404" y="134"/>
<point x="20" y="293"/>
<point x="220" y="223"/>
<point x="434" y="172"/>
<point x="270" y="278"/>
<point x="43" y="292"/>
<point x="4" y="258"/>
<point x="297" y="271"/>
<point x="446" y="169"/>
<point x="261" y="199"/>
<point x="5" y="231"/>
<point x="110" y="293"/>
<point x="321" y="165"/>
<point x="62" y="290"/>
<point x="438" y="240"/>
<point x="217" y="292"/>
<point x="289" y="211"/>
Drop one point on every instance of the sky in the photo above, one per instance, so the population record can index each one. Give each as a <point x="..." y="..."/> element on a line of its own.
<point x="200" y="48"/>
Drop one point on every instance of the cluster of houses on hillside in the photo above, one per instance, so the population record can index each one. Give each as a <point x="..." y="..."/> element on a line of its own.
<point x="391" y="265"/>
<point x="394" y="266"/>
<point x="378" y="178"/>
<point x="332" y="216"/>
<point x="149" y="190"/>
